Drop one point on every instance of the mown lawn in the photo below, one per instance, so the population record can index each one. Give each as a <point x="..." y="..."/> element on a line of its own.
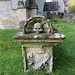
<point x="11" y="61"/>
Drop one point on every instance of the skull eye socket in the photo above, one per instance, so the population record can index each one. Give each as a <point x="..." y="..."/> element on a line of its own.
<point x="35" y="28"/>
<point x="39" y="28"/>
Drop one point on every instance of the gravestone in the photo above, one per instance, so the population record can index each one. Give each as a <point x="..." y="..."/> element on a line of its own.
<point x="65" y="16"/>
<point x="49" y="15"/>
<point x="54" y="17"/>
<point x="71" y="17"/>
<point x="37" y="40"/>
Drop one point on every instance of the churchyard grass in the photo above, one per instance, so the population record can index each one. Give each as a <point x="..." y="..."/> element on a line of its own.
<point x="11" y="61"/>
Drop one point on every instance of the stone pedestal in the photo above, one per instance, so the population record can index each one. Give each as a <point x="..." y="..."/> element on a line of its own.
<point x="37" y="54"/>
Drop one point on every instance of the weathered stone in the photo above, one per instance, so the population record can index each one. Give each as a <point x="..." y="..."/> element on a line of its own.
<point x="21" y="25"/>
<point x="40" y="59"/>
<point x="49" y="15"/>
<point x="31" y="4"/>
<point x="65" y="16"/>
<point x="8" y="18"/>
<point x="37" y="44"/>
<point x="43" y="23"/>
<point x="54" y="17"/>
<point x="37" y="27"/>
<point x="70" y="17"/>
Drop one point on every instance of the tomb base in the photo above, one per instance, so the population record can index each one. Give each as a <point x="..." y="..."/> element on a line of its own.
<point x="37" y="54"/>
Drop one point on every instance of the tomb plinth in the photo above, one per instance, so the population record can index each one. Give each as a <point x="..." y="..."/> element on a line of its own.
<point x="37" y="40"/>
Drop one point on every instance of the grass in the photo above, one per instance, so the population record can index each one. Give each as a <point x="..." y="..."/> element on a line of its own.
<point x="11" y="61"/>
<point x="64" y="53"/>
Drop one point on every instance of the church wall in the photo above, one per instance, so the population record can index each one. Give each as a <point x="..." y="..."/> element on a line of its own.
<point x="40" y="4"/>
<point x="8" y="17"/>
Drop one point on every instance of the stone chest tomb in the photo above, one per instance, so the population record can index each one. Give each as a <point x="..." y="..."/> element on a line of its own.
<point x="37" y="40"/>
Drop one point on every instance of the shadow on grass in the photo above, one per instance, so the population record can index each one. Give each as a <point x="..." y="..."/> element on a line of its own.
<point x="38" y="72"/>
<point x="62" y="60"/>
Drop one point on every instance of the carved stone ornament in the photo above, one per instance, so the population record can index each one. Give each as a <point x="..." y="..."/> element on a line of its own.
<point x="37" y="28"/>
<point x="38" y="24"/>
<point x="37" y="40"/>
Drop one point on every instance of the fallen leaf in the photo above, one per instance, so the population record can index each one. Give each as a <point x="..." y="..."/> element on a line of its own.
<point x="7" y="44"/>
<point x="8" y="49"/>
<point x="56" y="71"/>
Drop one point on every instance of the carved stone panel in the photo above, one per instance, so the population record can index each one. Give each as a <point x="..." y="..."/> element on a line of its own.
<point x="38" y="24"/>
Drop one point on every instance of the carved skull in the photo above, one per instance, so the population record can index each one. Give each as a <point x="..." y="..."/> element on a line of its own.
<point x="37" y="27"/>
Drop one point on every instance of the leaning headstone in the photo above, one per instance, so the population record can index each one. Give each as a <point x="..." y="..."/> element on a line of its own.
<point x="54" y="17"/>
<point x="65" y="16"/>
<point x="49" y="15"/>
<point x="71" y="17"/>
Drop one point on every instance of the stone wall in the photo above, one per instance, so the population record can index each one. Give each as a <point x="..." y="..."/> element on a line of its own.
<point x="8" y="17"/>
<point x="11" y="16"/>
